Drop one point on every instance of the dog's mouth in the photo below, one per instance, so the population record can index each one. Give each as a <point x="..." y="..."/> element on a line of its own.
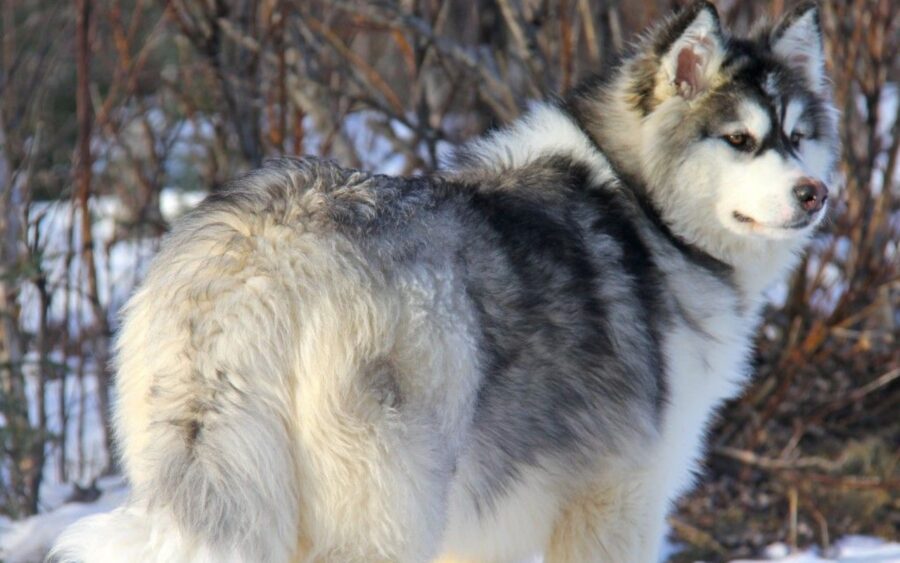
<point x="751" y="222"/>
<point x="741" y="218"/>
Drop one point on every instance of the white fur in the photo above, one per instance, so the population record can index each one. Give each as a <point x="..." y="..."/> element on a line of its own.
<point x="761" y="190"/>
<point x="705" y="372"/>
<point x="519" y="525"/>
<point x="792" y="114"/>
<point x="133" y="534"/>
<point x="543" y="131"/>
<point x="754" y="120"/>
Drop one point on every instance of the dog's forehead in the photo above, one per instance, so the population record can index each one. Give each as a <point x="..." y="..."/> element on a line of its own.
<point x="753" y="65"/>
<point x="787" y="101"/>
<point x="769" y="96"/>
<point x="756" y="118"/>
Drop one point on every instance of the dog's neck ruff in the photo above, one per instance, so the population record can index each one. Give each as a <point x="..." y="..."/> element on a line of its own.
<point x="543" y="131"/>
<point x="548" y="130"/>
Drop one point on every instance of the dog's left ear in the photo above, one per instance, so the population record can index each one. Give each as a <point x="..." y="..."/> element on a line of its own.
<point x="797" y="39"/>
<point x="692" y="49"/>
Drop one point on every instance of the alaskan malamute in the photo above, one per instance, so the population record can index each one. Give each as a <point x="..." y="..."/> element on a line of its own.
<point x="518" y="356"/>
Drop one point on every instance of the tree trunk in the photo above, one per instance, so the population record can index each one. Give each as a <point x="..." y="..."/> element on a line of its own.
<point x="82" y="197"/>
<point x="12" y="347"/>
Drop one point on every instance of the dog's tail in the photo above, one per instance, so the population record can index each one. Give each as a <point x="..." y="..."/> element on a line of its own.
<point x="226" y="502"/>
<point x="228" y="497"/>
<point x="203" y="416"/>
<point x="199" y="510"/>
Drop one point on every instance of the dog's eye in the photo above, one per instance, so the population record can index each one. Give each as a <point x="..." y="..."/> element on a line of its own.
<point x="796" y="137"/>
<point x="740" y="141"/>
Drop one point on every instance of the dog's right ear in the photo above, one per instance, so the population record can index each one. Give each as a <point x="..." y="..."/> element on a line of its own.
<point x="798" y="40"/>
<point x="691" y="49"/>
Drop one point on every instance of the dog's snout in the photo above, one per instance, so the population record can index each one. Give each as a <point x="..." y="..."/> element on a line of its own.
<point x="811" y="194"/>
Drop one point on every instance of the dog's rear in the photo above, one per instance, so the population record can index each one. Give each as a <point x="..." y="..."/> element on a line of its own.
<point x="205" y="451"/>
<point x="258" y="369"/>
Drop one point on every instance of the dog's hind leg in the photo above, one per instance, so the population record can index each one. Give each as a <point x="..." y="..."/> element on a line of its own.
<point x="374" y="481"/>
<point x="612" y="522"/>
<point x="383" y="399"/>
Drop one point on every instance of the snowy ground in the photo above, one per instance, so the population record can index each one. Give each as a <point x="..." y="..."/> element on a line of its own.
<point x="28" y="540"/>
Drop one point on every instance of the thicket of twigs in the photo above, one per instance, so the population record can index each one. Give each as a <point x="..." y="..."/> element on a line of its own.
<point x="120" y="98"/>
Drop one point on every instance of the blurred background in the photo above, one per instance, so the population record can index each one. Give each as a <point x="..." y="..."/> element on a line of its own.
<point x="118" y="115"/>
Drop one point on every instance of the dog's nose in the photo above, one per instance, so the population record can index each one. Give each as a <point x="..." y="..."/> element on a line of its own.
<point x="811" y="194"/>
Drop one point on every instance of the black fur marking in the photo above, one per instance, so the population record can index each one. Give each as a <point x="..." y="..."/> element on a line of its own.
<point x="693" y="253"/>
<point x="193" y="431"/>
<point x="548" y="342"/>
<point x="641" y="267"/>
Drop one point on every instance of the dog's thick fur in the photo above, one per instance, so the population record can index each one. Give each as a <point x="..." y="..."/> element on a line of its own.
<point x="519" y="356"/>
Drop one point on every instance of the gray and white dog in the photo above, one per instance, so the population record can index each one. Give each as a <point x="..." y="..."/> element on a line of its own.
<point x="516" y="357"/>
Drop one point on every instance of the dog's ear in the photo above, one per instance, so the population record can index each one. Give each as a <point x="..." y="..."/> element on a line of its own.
<point x="797" y="40"/>
<point x="691" y="49"/>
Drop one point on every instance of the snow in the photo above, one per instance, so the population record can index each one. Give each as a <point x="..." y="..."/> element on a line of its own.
<point x="851" y="549"/>
<point x="29" y="540"/>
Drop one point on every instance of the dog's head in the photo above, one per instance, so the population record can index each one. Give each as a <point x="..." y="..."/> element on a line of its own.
<point x="737" y="135"/>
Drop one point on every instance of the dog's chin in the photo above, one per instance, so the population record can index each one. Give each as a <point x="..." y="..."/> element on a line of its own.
<point x="746" y="225"/>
